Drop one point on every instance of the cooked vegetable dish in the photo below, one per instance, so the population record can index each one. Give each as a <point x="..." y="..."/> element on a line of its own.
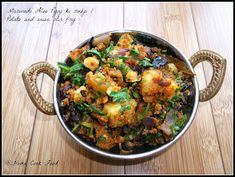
<point x="123" y="96"/>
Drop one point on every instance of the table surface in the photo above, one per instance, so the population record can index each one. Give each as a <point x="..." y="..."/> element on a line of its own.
<point x="31" y="137"/>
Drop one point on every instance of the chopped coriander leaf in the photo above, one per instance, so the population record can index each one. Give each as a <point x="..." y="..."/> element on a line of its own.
<point x="75" y="127"/>
<point x="178" y="78"/>
<point x="174" y="101"/>
<point x="67" y="71"/>
<point x="93" y="109"/>
<point x="97" y="95"/>
<point x="152" y="136"/>
<point x="64" y="68"/>
<point x="123" y="57"/>
<point x="122" y="96"/>
<point x="123" y="68"/>
<point x="162" y="115"/>
<point x="76" y="67"/>
<point x="145" y="63"/>
<point x="135" y="94"/>
<point x="80" y="106"/>
<point x="107" y="51"/>
<point x="88" y="125"/>
<point x="178" y="124"/>
<point x="78" y="80"/>
<point x="134" y="52"/>
<point x="101" y="138"/>
<point x="94" y="52"/>
<point x="148" y="59"/>
<point x="146" y="110"/>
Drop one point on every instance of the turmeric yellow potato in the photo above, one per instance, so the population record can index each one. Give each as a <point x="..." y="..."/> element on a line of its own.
<point x="157" y="108"/>
<point x="97" y="82"/>
<point x="118" y="62"/>
<point x="113" y="111"/>
<point x="132" y="76"/>
<point x="150" y="82"/>
<point x="105" y="139"/>
<point x="112" y="88"/>
<point x="77" y="94"/>
<point x="129" y="115"/>
<point x="116" y="119"/>
<point x="149" y="98"/>
<point x="74" y="54"/>
<point x="91" y="62"/>
<point x="169" y="91"/>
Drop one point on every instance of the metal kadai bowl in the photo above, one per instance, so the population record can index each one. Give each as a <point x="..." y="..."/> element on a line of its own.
<point x="218" y="63"/>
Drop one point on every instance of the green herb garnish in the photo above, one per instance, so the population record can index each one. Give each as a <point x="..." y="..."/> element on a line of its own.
<point x="107" y="51"/>
<point x="78" y="80"/>
<point x="145" y="63"/>
<point x="67" y="71"/>
<point x="88" y="125"/>
<point x="144" y="113"/>
<point x="94" y="52"/>
<point x="122" y="96"/>
<point x="75" y="127"/>
<point x="80" y="106"/>
<point x="178" y="124"/>
<point x="174" y="101"/>
<point x="123" y="57"/>
<point x="123" y="68"/>
<point x="101" y="138"/>
<point x="135" y="94"/>
<point x="93" y="109"/>
<point x="134" y="52"/>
